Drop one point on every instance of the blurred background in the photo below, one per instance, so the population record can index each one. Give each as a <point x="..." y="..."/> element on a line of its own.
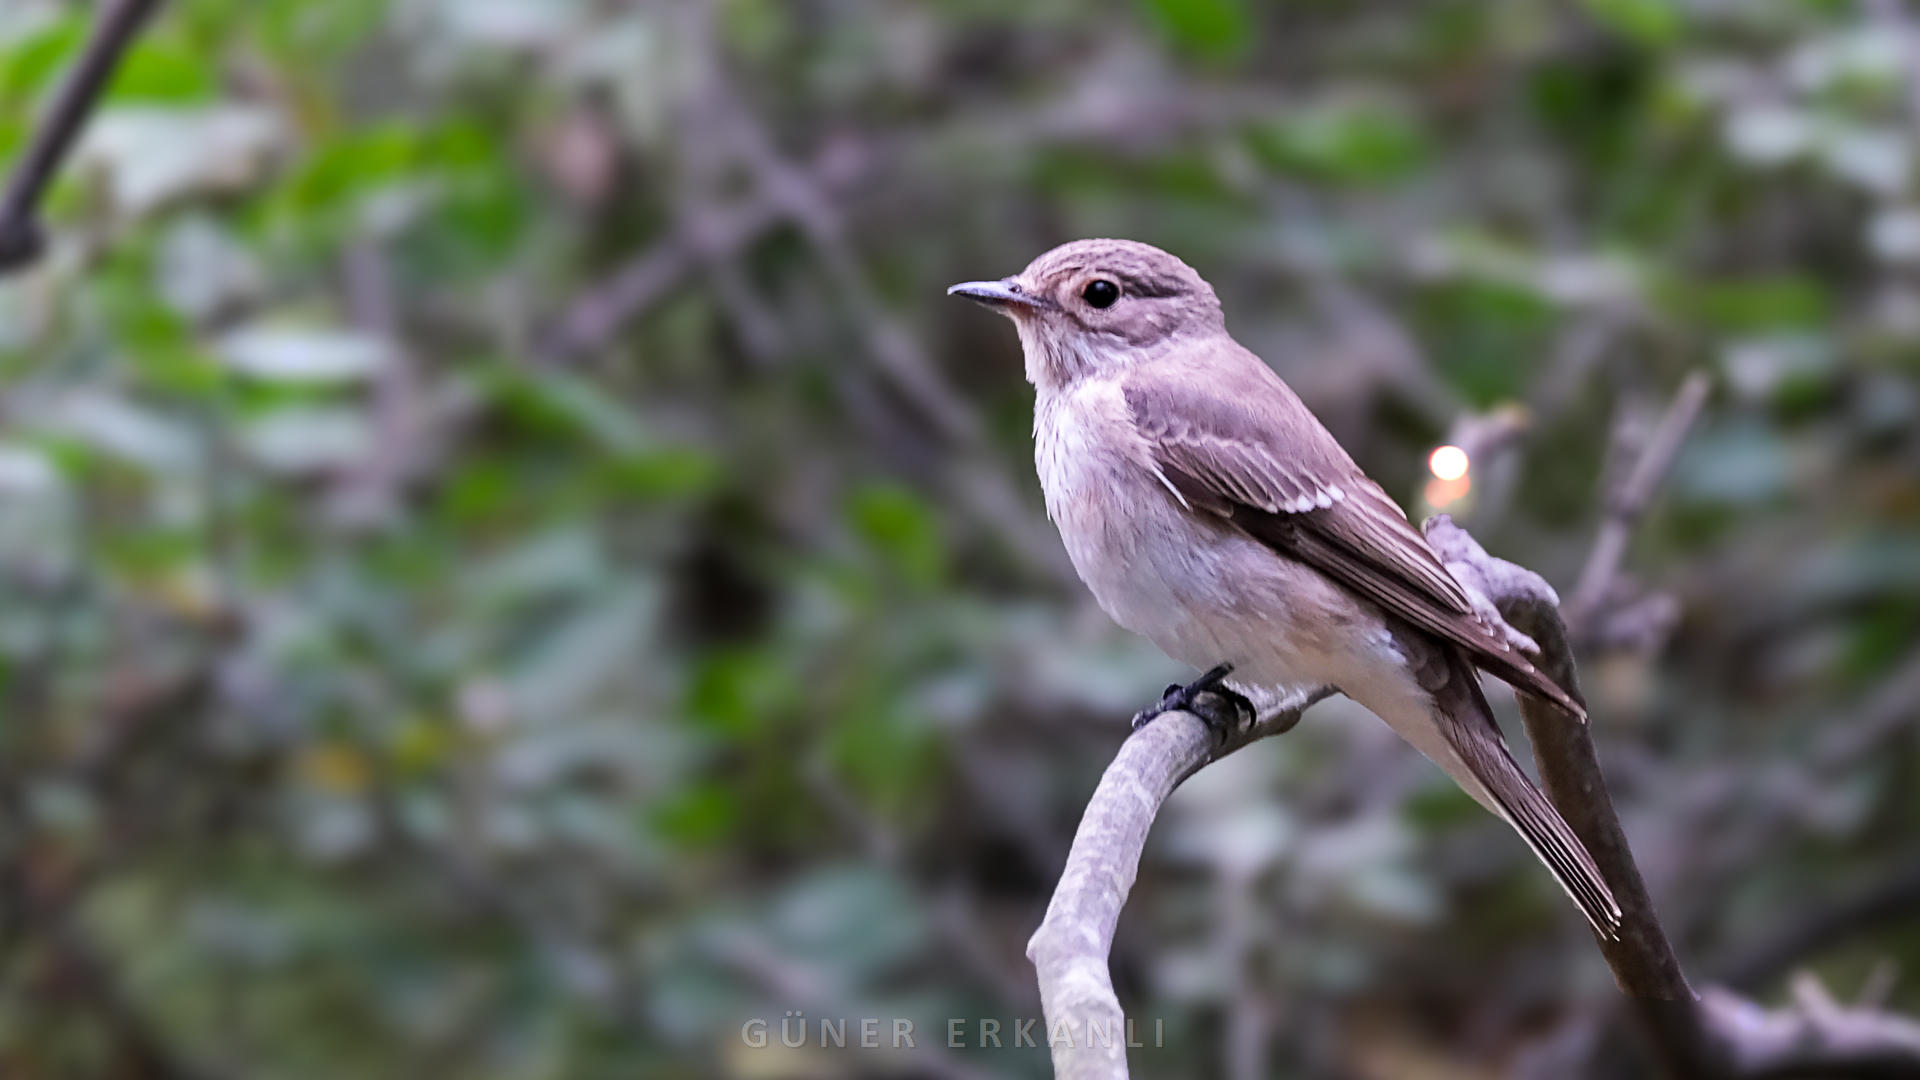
<point x="510" y="565"/>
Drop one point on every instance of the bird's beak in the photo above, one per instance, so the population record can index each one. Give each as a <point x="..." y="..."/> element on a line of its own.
<point x="999" y="295"/>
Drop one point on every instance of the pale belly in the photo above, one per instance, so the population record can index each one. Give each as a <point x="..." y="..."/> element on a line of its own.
<point x="1202" y="591"/>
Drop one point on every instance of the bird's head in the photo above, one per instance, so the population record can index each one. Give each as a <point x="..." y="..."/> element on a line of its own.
<point x="1094" y="306"/>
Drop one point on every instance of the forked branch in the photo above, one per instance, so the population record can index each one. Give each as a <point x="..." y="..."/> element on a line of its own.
<point x="1719" y="1037"/>
<point x="1070" y="949"/>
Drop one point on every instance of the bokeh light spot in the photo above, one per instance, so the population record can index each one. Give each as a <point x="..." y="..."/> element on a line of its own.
<point x="1448" y="463"/>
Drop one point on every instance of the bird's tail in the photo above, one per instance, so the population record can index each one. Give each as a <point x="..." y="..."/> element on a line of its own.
<point x="1476" y="738"/>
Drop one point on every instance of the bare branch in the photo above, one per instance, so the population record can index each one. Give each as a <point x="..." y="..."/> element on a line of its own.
<point x="596" y="316"/>
<point x="1734" y="823"/>
<point x="1813" y="1036"/>
<point x="1070" y="948"/>
<point x="21" y="238"/>
<point x="369" y="491"/>
<point x="806" y="192"/>
<point x="1579" y="348"/>
<point x="1642" y="959"/>
<point x="1896" y="897"/>
<point x="1630" y="501"/>
<point x="1848" y="740"/>
<point x="1721" y="1035"/>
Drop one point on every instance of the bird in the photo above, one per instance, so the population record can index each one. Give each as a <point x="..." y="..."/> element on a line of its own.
<point x="1207" y="509"/>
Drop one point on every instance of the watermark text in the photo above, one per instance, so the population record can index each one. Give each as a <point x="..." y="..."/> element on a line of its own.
<point x="873" y="1033"/>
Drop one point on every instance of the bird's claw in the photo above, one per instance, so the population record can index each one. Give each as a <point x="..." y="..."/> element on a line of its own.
<point x="1223" y="711"/>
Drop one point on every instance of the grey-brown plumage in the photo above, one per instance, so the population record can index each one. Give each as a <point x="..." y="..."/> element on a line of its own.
<point x="1245" y="448"/>
<point x="1208" y="509"/>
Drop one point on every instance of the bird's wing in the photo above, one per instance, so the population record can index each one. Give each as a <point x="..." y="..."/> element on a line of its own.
<point x="1239" y="444"/>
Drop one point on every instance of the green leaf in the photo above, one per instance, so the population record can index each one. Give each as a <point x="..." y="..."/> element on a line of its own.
<point x="681" y="472"/>
<point x="736" y="691"/>
<point x="162" y="72"/>
<point x="1438" y="807"/>
<point x="1752" y="304"/>
<point x="1650" y="22"/>
<point x="1347" y="142"/>
<point x="1211" y="29"/>
<point x="30" y="63"/>
<point x="901" y="527"/>
<point x="698" y="816"/>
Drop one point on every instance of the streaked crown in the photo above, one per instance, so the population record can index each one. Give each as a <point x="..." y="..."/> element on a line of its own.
<point x="1142" y="272"/>
<point x="1100" y="305"/>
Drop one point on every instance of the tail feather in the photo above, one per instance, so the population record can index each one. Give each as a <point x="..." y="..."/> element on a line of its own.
<point x="1554" y="843"/>
<point x="1475" y="736"/>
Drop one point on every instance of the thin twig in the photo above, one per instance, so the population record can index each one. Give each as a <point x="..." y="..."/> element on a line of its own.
<point x="21" y="237"/>
<point x="1813" y="1036"/>
<point x="1573" y="356"/>
<point x="804" y="202"/>
<point x="1847" y="741"/>
<point x="1896" y="897"/>
<point x="593" y="319"/>
<point x="369" y="491"/>
<point x="1735" y="821"/>
<point x="1630" y="501"/>
<point x="804" y="197"/>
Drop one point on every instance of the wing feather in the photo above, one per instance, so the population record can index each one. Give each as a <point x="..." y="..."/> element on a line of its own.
<point x="1245" y="448"/>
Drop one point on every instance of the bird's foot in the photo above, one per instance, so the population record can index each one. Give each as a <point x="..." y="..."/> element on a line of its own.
<point x="1223" y="711"/>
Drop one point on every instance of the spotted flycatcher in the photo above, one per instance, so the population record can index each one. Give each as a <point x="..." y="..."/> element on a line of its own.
<point x="1208" y="510"/>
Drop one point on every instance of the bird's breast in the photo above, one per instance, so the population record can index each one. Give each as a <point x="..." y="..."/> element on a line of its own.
<point x="1200" y="589"/>
<point x="1092" y="464"/>
<point x="1156" y="567"/>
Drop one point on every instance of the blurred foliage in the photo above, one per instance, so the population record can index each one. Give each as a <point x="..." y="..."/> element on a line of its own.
<point x="510" y="565"/>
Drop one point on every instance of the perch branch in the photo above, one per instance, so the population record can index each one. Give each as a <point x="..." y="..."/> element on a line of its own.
<point x="1071" y="947"/>
<point x="21" y="238"/>
<point x="1642" y="958"/>
<point x="1720" y="1036"/>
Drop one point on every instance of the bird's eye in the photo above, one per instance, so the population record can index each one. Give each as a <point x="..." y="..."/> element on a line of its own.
<point x="1100" y="292"/>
